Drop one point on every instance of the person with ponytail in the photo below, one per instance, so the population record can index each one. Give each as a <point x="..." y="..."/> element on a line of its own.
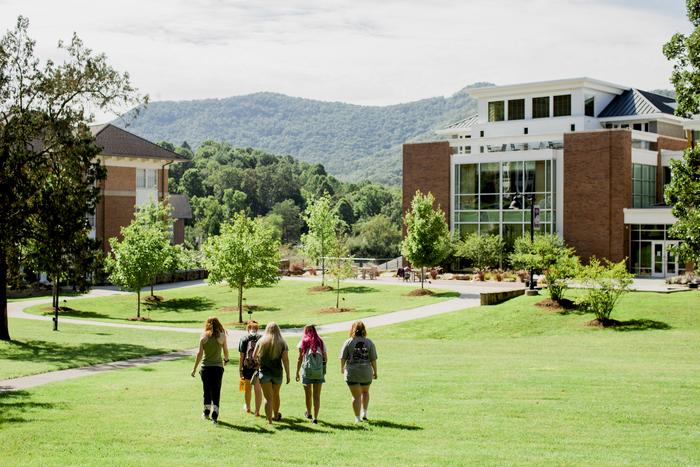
<point x="312" y="363"/>
<point x="358" y="362"/>
<point x="211" y="345"/>
<point x="271" y="352"/>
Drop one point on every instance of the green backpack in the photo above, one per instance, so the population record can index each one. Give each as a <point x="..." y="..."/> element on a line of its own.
<point x="312" y="366"/>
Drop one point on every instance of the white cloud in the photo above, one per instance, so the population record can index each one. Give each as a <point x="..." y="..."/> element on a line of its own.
<point x="361" y="51"/>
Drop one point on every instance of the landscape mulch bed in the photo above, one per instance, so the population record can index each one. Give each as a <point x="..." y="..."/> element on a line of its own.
<point x="604" y="323"/>
<point x="550" y="304"/>
<point x="320" y="288"/>
<point x="332" y="309"/>
<point x="154" y="299"/>
<point x="141" y="318"/>
<point x="419" y="293"/>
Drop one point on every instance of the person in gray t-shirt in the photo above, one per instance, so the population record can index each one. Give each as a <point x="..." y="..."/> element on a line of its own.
<point x="358" y="362"/>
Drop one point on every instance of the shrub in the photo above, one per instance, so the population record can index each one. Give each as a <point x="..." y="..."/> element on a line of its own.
<point x="484" y="251"/>
<point x="605" y="283"/>
<point x="556" y="275"/>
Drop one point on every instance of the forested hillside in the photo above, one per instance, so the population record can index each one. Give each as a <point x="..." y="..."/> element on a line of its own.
<point x="353" y="142"/>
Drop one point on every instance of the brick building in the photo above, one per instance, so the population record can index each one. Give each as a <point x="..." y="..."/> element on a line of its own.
<point x="592" y="156"/>
<point x="137" y="173"/>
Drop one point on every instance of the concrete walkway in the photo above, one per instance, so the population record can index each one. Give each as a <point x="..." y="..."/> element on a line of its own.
<point x="467" y="299"/>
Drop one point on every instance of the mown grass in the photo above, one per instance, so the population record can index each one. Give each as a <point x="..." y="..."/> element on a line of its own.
<point x="510" y="384"/>
<point x="288" y="303"/>
<point x="35" y="348"/>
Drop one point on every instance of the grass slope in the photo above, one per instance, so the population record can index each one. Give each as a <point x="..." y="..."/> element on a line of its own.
<point x="35" y="348"/>
<point x="509" y="384"/>
<point x="288" y="303"/>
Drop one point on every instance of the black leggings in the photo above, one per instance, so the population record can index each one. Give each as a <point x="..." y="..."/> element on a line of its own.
<point x="211" y="383"/>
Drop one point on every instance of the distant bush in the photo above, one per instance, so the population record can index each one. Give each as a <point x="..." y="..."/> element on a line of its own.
<point x="605" y="283"/>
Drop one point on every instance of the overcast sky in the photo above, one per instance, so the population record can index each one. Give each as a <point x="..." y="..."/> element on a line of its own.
<point x="372" y="52"/>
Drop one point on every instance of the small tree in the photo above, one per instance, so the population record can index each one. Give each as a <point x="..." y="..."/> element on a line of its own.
<point x="484" y="251"/>
<point x="683" y="194"/>
<point x="323" y="223"/>
<point x="157" y="215"/>
<point x="136" y="258"/>
<point x="549" y="255"/>
<point x="605" y="283"/>
<point x="245" y="254"/>
<point x="427" y="241"/>
<point x="340" y="264"/>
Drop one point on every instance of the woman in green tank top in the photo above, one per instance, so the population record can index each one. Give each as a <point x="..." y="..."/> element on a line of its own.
<point x="211" y="345"/>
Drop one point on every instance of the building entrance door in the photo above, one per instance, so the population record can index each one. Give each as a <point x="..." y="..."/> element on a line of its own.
<point x="663" y="262"/>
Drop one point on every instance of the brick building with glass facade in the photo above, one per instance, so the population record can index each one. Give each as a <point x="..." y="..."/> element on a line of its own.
<point x="593" y="156"/>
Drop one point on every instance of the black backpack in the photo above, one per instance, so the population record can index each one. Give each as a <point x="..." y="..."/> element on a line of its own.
<point x="248" y="360"/>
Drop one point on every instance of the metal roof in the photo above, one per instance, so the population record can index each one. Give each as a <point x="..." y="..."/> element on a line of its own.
<point x="463" y="124"/>
<point x="637" y="102"/>
<point x="116" y="141"/>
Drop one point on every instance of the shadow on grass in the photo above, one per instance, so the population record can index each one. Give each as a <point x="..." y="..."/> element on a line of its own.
<point x="291" y="325"/>
<point x="295" y="424"/>
<point x="14" y="406"/>
<point x="78" y="355"/>
<point x="639" y="325"/>
<point x="446" y="294"/>
<point x="245" y="429"/>
<point x="358" y="289"/>
<point x="182" y="304"/>
<point x="77" y="314"/>
<point x="342" y="426"/>
<point x="395" y="426"/>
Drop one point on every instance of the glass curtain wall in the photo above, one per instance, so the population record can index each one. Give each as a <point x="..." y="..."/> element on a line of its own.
<point x="492" y="197"/>
<point x="643" y="185"/>
<point x="641" y="239"/>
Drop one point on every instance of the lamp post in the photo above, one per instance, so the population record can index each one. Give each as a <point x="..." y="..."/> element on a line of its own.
<point x="531" y="199"/>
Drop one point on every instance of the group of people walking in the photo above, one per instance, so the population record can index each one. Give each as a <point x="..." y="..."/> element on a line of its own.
<point x="264" y="366"/>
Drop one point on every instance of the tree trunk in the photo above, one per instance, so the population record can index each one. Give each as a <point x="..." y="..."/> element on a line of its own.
<point x="240" y="303"/>
<point x="337" y="294"/>
<point x="4" y="330"/>
<point x="54" y="295"/>
<point x="323" y="260"/>
<point x="138" y="303"/>
<point x="152" y="287"/>
<point x="422" y="277"/>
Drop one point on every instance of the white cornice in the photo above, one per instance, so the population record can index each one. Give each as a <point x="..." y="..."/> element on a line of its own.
<point x="547" y="87"/>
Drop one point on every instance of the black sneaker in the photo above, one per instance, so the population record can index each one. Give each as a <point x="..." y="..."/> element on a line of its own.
<point x="205" y="414"/>
<point x="278" y="417"/>
<point x="314" y="421"/>
<point x="215" y="417"/>
<point x="364" y="418"/>
<point x="307" y="415"/>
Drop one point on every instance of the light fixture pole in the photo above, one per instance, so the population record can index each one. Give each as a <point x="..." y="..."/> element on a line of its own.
<point x="531" y="198"/>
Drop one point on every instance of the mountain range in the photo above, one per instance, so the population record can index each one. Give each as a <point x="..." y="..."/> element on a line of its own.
<point x="353" y="142"/>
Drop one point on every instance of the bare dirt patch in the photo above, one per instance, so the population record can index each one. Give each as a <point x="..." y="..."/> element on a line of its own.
<point x="419" y="293"/>
<point x="604" y="323"/>
<point x="140" y="318"/>
<point x="332" y="309"/>
<point x="154" y="299"/>
<point x="320" y="288"/>
<point x="550" y="304"/>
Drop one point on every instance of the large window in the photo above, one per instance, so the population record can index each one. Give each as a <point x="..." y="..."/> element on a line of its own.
<point x="589" y="106"/>
<point x="516" y="109"/>
<point x="495" y="197"/>
<point x="540" y="107"/>
<point x="496" y="111"/>
<point x="145" y="178"/>
<point x="562" y="105"/>
<point x="643" y="185"/>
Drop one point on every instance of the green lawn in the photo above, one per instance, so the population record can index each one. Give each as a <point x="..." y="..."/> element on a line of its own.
<point x="37" y="349"/>
<point x="509" y="384"/>
<point x="288" y="303"/>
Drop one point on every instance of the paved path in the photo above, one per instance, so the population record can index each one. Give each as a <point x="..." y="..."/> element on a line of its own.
<point x="469" y="297"/>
